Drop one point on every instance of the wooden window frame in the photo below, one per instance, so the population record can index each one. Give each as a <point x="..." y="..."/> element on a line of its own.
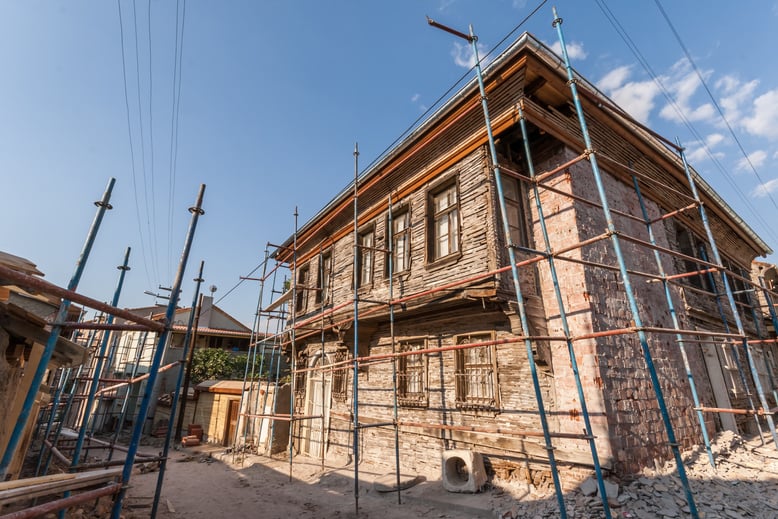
<point x="519" y="226"/>
<point x="340" y="376"/>
<point x="301" y="290"/>
<point x="412" y="374"/>
<point x="690" y="245"/>
<point x="366" y="251"/>
<point x="324" y="278"/>
<point x="476" y="383"/>
<point x="453" y="225"/>
<point x="403" y="212"/>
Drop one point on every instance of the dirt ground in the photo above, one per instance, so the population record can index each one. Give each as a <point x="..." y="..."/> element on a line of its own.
<point x="203" y="482"/>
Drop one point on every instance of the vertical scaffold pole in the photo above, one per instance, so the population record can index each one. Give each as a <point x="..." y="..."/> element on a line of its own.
<point x="473" y="40"/>
<point x="128" y="392"/>
<point x="736" y="355"/>
<point x="90" y="399"/>
<point x="174" y="404"/>
<point x="175" y="292"/>
<point x="66" y="411"/>
<point x="678" y="337"/>
<point x="624" y="274"/>
<point x="255" y="341"/>
<point x="750" y="296"/>
<point x="63" y="380"/>
<point x="355" y="390"/>
<point x="730" y="297"/>
<point x="51" y="343"/>
<point x="773" y="318"/>
<point x="562" y="315"/>
<point x="390" y="260"/>
<point x="294" y="343"/>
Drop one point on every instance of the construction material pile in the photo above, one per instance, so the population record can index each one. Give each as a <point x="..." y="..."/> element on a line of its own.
<point x="743" y="484"/>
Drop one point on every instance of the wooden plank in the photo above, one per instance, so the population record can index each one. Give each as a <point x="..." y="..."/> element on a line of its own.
<point x="47" y="485"/>
<point x="10" y="485"/>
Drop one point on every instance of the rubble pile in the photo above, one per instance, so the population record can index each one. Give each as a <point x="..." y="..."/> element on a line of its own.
<point x="743" y="484"/>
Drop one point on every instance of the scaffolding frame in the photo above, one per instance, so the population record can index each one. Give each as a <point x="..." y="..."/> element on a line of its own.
<point x="673" y="282"/>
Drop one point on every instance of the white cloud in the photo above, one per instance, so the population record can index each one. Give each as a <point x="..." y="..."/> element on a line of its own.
<point x="682" y="84"/>
<point x="519" y="4"/>
<point x="700" y="151"/>
<point x="735" y="94"/>
<point x="636" y="97"/>
<point x="575" y="50"/>
<point x="755" y="159"/>
<point x="615" y="78"/>
<point x="415" y="97"/>
<point x="762" y="190"/>
<point x="463" y="55"/>
<point x="763" y="122"/>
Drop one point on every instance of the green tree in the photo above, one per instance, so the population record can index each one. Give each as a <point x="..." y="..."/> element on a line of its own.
<point x="212" y="363"/>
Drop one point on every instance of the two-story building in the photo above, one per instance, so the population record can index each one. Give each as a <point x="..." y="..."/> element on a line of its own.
<point x="429" y="237"/>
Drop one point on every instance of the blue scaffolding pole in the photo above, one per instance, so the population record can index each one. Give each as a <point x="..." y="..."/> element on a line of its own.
<point x="48" y="351"/>
<point x="562" y="316"/>
<point x="90" y="399"/>
<point x="730" y="298"/>
<point x="155" y="364"/>
<point x="589" y="150"/>
<point x="673" y="314"/>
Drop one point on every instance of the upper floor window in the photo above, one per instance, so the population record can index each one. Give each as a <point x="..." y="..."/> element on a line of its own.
<point x="690" y="245"/>
<point x="514" y="207"/>
<point x="401" y="241"/>
<point x="324" y="281"/>
<point x="412" y="375"/>
<point x="476" y="373"/>
<point x="444" y="220"/>
<point x="365" y="256"/>
<point x="301" y="293"/>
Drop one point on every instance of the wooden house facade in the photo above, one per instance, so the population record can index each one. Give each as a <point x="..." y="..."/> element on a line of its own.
<point x="429" y="237"/>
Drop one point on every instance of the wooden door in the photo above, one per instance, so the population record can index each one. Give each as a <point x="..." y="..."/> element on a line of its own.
<point x="318" y="396"/>
<point x="232" y="422"/>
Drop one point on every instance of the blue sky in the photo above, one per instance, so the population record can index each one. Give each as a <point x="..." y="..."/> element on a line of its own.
<point x="274" y="94"/>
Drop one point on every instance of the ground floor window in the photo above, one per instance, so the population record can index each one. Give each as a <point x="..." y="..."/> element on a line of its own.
<point x="412" y="375"/>
<point x="476" y="373"/>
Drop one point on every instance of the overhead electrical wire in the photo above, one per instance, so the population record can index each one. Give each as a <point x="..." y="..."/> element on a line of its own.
<point x="174" y="119"/>
<point x="712" y="98"/>
<point x="155" y="249"/>
<point x="154" y="269"/>
<point x="132" y="147"/>
<point x="632" y="46"/>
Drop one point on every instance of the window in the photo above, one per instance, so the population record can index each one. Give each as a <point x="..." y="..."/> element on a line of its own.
<point x="475" y="376"/>
<point x="324" y="281"/>
<point x="444" y="236"/>
<point x="401" y="242"/>
<point x="728" y="357"/>
<point x="301" y="294"/>
<point x="690" y="245"/>
<point x="365" y="258"/>
<point x="740" y="289"/>
<point x="340" y="377"/>
<point x="514" y="207"/>
<point x="412" y="375"/>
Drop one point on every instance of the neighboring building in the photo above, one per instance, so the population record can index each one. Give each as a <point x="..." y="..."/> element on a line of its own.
<point x="131" y="353"/>
<point x="445" y="227"/>
<point x="24" y="331"/>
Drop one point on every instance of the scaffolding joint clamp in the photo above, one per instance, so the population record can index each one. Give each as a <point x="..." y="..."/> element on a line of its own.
<point x="100" y="203"/>
<point x="572" y="81"/>
<point x="588" y="151"/>
<point x="557" y="21"/>
<point x="199" y="210"/>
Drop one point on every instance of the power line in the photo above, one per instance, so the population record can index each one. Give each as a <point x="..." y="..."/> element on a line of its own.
<point x="143" y="146"/>
<point x="632" y="46"/>
<point x="132" y="147"/>
<point x="174" y="119"/>
<point x="713" y="99"/>
<point x="155" y="249"/>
